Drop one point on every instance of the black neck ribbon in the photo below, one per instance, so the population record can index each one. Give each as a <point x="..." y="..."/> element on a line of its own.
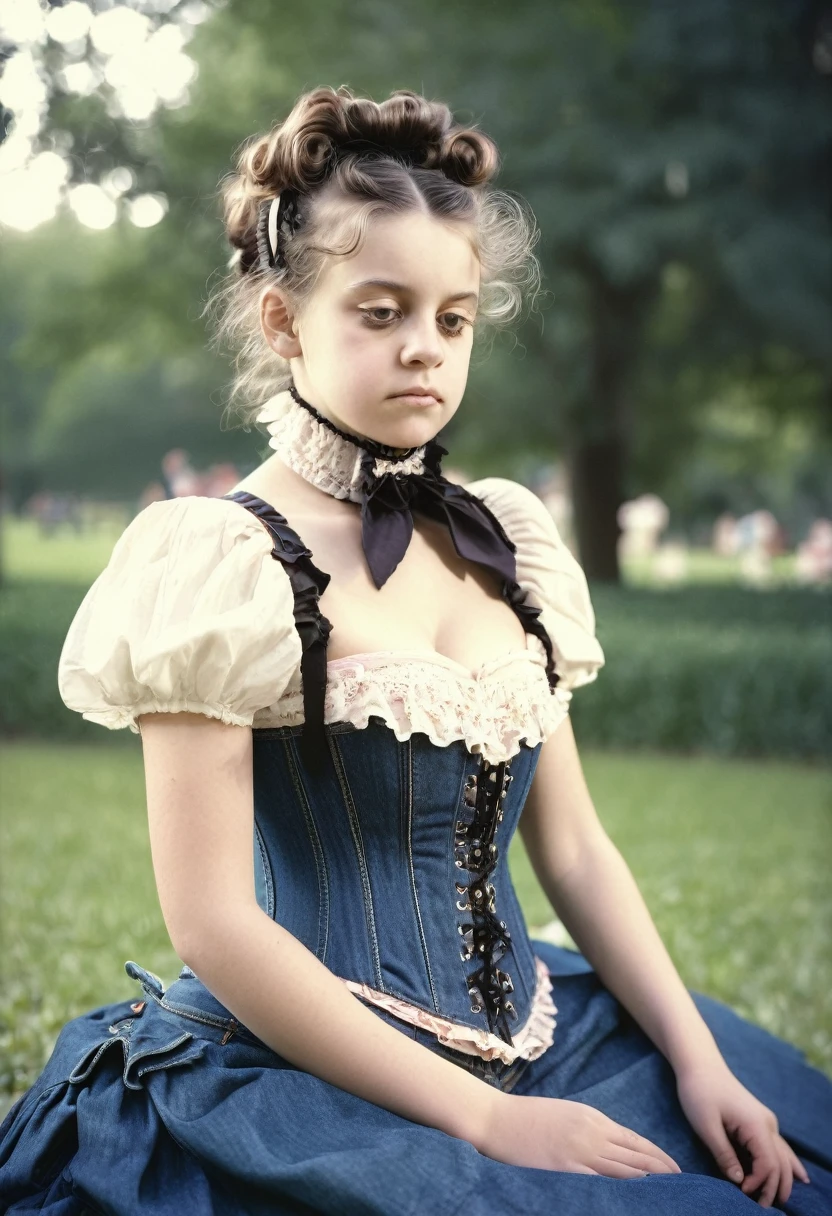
<point x="387" y="505"/>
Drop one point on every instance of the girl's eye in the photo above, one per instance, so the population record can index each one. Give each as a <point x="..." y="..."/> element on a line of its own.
<point x="462" y="320"/>
<point x="369" y="311"/>
<point x="369" y="318"/>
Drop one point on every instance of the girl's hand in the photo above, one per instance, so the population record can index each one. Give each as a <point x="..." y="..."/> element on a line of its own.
<point x="718" y="1106"/>
<point x="556" y="1134"/>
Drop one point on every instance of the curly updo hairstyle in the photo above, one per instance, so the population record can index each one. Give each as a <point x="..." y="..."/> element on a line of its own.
<point x="350" y="159"/>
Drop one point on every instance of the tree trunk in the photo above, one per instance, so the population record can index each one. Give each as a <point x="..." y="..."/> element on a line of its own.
<point x="596" y="473"/>
<point x="599" y="432"/>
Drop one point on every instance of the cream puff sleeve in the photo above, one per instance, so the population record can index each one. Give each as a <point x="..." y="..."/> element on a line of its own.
<point x="191" y="613"/>
<point x="551" y="575"/>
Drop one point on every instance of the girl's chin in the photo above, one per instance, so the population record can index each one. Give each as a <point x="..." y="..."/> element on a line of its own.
<point x="409" y="427"/>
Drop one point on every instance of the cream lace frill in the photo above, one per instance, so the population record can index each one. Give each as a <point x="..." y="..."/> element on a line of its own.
<point x="492" y="710"/>
<point x="529" y="1042"/>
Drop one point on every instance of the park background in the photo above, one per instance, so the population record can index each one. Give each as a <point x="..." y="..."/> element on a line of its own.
<point x="676" y="158"/>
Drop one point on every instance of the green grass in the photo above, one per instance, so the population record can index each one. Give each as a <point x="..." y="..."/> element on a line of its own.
<point x="705" y="566"/>
<point x="65" y="555"/>
<point x="732" y="858"/>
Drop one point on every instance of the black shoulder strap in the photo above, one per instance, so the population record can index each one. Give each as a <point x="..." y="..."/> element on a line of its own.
<point x="498" y="556"/>
<point x="308" y="583"/>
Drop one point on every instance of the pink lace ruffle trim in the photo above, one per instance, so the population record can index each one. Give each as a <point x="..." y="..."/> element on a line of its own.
<point x="506" y="701"/>
<point x="529" y="1042"/>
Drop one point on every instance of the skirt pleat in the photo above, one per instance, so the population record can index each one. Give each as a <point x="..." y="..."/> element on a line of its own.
<point x="152" y="1112"/>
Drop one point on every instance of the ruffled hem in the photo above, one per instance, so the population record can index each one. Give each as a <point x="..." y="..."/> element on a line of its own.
<point x="507" y="701"/>
<point x="120" y="716"/>
<point x="530" y="1042"/>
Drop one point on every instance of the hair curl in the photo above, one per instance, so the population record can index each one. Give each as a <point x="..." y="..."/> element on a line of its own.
<point x="351" y="159"/>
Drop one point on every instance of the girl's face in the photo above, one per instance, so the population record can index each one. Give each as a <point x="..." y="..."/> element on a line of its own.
<point x="397" y="314"/>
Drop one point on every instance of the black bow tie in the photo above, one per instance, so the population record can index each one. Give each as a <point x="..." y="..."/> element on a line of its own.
<point x="387" y="505"/>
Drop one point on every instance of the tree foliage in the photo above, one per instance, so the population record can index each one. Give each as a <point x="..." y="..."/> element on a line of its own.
<point x="676" y="157"/>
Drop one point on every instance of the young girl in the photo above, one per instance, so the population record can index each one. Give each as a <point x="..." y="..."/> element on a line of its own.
<point x="352" y="677"/>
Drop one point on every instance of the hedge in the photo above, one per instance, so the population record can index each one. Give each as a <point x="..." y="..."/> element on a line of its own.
<point x="719" y="669"/>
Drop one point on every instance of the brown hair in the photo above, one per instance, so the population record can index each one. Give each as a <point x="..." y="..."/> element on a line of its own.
<point x="351" y="159"/>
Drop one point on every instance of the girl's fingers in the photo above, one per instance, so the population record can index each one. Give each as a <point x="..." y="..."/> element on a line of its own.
<point x="652" y="1163"/>
<point x="786" y="1174"/>
<point x="798" y="1168"/>
<point x="632" y="1142"/>
<point x="614" y="1167"/>
<point x="771" y="1177"/>
<point x="766" y="1162"/>
<point x="770" y="1188"/>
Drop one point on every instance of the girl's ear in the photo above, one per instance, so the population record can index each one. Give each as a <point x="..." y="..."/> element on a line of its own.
<point x="278" y="324"/>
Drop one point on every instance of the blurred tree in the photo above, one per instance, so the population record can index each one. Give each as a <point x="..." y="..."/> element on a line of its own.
<point x="675" y="135"/>
<point x="674" y="156"/>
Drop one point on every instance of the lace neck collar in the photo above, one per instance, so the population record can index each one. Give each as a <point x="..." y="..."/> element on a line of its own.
<point x="326" y="456"/>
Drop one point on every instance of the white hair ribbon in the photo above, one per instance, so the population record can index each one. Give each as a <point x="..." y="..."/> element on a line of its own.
<point x="272" y="225"/>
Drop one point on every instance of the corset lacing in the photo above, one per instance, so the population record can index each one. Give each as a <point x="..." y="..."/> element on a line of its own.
<point x="486" y="937"/>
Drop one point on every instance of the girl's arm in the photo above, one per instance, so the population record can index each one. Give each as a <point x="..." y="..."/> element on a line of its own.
<point x="592" y="890"/>
<point x="200" y="805"/>
<point x="590" y="886"/>
<point x="201" y="809"/>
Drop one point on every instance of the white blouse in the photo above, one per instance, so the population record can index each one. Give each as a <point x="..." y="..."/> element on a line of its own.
<point x="193" y="613"/>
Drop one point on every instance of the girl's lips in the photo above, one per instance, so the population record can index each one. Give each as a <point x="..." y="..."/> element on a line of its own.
<point x="417" y="398"/>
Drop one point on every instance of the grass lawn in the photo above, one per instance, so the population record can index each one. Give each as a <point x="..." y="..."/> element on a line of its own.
<point x="65" y="555"/>
<point x="733" y="860"/>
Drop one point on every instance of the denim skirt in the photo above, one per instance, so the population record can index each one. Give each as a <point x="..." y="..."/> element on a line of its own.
<point x="162" y="1107"/>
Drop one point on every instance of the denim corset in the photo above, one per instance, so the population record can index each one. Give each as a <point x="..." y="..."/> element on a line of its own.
<point x="390" y="866"/>
<point x="387" y="858"/>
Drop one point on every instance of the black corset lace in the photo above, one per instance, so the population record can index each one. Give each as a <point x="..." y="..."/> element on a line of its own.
<point x="485" y="937"/>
